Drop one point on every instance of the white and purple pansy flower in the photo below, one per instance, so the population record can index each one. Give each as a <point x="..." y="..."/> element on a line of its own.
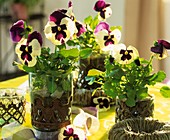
<point x="79" y="27"/>
<point x="60" y="28"/>
<point x="160" y="48"/>
<point x="102" y="103"/>
<point x="17" y="31"/>
<point x="71" y="133"/>
<point x="105" y="37"/>
<point x="28" y="49"/>
<point x="103" y="8"/>
<point x="123" y="54"/>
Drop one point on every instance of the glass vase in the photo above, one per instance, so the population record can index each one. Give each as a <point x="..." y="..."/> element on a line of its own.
<point x="83" y="91"/>
<point x="92" y="62"/>
<point x="51" y="98"/>
<point x="143" y="108"/>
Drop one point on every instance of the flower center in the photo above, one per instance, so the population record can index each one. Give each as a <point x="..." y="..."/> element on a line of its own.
<point x="59" y="28"/>
<point x="126" y="52"/>
<point x="71" y="138"/>
<point x="101" y="103"/>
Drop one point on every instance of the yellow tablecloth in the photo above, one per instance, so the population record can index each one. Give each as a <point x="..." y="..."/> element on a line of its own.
<point x="162" y="109"/>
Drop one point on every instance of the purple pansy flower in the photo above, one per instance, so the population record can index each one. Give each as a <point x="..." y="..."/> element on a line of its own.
<point x="60" y="28"/>
<point x="160" y="48"/>
<point x="80" y="28"/>
<point x="103" y="8"/>
<point x="17" y="31"/>
<point x="71" y="132"/>
<point x="28" y="49"/>
<point x="105" y="37"/>
<point x="123" y="54"/>
<point x="102" y="103"/>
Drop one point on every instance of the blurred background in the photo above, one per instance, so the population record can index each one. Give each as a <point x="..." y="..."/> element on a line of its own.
<point x="142" y="21"/>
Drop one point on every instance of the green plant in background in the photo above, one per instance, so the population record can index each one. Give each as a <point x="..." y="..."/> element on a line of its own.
<point x="28" y="3"/>
<point x="128" y="76"/>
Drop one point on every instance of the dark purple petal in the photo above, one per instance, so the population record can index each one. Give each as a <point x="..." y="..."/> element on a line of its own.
<point x="57" y="16"/>
<point x="108" y="42"/>
<point x="22" y="48"/>
<point x="164" y="43"/>
<point x="101" y="26"/>
<point x="68" y="132"/>
<point x="17" y="30"/>
<point x="81" y="29"/>
<point x="60" y="35"/>
<point x="102" y="14"/>
<point x="137" y="62"/>
<point x="99" y="100"/>
<point x="19" y="23"/>
<point x="100" y="5"/>
<point x="26" y="53"/>
<point x="76" y="137"/>
<point x="106" y="103"/>
<point x="157" y="49"/>
<point x="126" y="54"/>
<point x="35" y="35"/>
<point x="67" y="138"/>
<point x="101" y="105"/>
<point x="111" y="59"/>
<point x="70" y="4"/>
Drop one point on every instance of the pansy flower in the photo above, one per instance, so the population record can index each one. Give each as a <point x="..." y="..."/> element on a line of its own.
<point x="103" y="8"/>
<point x="28" y="49"/>
<point x="60" y="28"/>
<point x="17" y="31"/>
<point x="160" y="48"/>
<point x="71" y="133"/>
<point x="80" y="28"/>
<point x="105" y="37"/>
<point x="123" y="54"/>
<point x="102" y="103"/>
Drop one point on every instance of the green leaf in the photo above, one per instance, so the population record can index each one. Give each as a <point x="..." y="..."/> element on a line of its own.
<point x="111" y="93"/>
<point x="130" y="102"/>
<point x="28" y="69"/>
<point x="51" y="85"/>
<point x="122" y="96"/>
<point x="141" y="96"/>
<point x="74" y="52"/>
<point x="84" y="53"/>
<point x="88" y="20"/>
<point x="94" y="72"/>
<point x="131" y="94"/>
<point x="165" y="91"/>
<point x="94" y="22"/>
<point x="90" y="79"/>
<point x="66" y="85"/>
<point x="158" y="77"/>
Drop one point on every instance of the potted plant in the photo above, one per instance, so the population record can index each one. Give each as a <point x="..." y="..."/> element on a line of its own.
<point x="50" y="72"/>
<point x="92" y="54"/>
<point x="127" y="77"/>
<point x="20" y="8"/>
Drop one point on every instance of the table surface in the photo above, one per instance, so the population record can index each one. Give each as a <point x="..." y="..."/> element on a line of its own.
<point x="161" y="111"/>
